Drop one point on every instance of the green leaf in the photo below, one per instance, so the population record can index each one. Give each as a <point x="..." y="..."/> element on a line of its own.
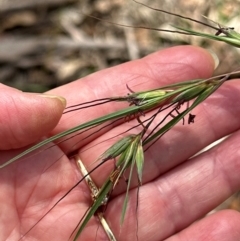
<point x="103" y="192"/>
<point x="190" y="93"/>
<point x="125" y="161"/>
<point x="117" y="148"/>
<point x="132" y="159"/>
<point x="140" y="161"/>
<point x="233" y="38"/>
<point x="121" y="113"/>
<point x="206" y="93"/>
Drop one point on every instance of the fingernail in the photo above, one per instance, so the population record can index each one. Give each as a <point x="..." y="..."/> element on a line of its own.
<point x="63" y="100"/>
<point x="215" y="58"/>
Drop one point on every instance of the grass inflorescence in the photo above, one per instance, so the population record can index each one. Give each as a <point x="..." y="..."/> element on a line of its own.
<point x="128" y="151"/>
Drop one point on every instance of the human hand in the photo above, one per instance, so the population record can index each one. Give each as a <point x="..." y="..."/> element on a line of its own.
<point x="176" y="191"/>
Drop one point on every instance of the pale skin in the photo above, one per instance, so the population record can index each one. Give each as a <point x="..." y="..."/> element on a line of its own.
<point x="176" y="191"/>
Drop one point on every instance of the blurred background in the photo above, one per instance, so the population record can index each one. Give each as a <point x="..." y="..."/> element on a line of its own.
<point x="44" y="44"/>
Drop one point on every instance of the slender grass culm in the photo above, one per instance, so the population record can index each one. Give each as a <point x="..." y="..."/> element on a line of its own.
<point x="152" y="114"/>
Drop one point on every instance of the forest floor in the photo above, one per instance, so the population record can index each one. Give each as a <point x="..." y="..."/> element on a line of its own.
<point x="48" y="43"/>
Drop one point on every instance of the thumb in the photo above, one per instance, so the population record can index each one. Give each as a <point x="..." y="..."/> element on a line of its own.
<point x="26" y="117"/>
